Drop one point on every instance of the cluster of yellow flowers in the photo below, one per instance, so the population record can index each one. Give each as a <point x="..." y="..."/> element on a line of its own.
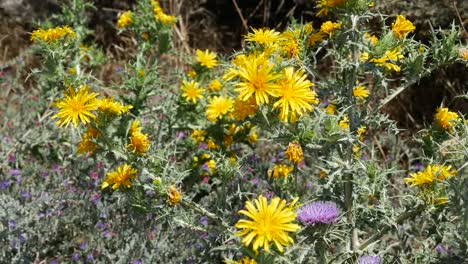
<point x="159" y="14"/>
<point x="121" y="177"/>
<point x="52" y="34"/>
<point x="427" y="177"/>
<point x="125" y="19"/>
<point x="446" y="119"/>
<point x="256" y="78"/>
<point x="139" y="142"/>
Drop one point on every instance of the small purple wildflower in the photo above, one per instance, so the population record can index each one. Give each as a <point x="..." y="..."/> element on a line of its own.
<point x="11" y="158"/>
<point x="137" y="261"/>
<point x="12" y="224"/>
<point x="5" y="184"/>
<point x="318" y="213"/>
<point x="90" y="257"/>
<point x="150" y="193"/>
<point x="204" y="221"/>
<point x="75" y="256"/>
<point x="22" y="238"/>
<point x="15" y="172"/>
<point x="94" y="175"/>
<point x="180" y="135"/>
<point x="369" y="260"/>
<point x="203" y="145"/>
<point x="83" y="246"/>
<point x="255" y="181"/>
<point x="54" y="261"/>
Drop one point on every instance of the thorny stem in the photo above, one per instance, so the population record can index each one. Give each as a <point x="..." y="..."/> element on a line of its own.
<point x="348" y="185"/>
<point x="399" y="220"/>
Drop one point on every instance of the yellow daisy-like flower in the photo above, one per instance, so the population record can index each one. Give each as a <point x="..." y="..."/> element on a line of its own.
<point x="289" y="44"/>
<point x="252" y="138"/>
<point x="295" y="95"/>
<point x="121" y="177"/>
<point x="86" y="146"/>
<point x="192" y="74"/>
<point x="330" y="27"/>
<point x="429" y="175"/>
<point x="257" y="79"/>
<point x="198" y="135"/>
<point x="280" y="170"/>
<point x="215" y="85"/>
<point x="52" y="34"/>
<point x="360" y="92"/>
<point x="160" y="15"/>
<point x="191" y="91"/>
<point x="76" y="107"/>
<point x="243" y="109"/>
<point x="294" y="152"/>
<point x="139" y="143"/>
<point x="217" y="107"/>
<point x="316" y="38"/>
<point x="206" y="58"/>
<point x="344" y="123"/>
<point x="360" y="131"/>
<point x="325" y="6"/>
<point x="371" y="38"/>
<point x="383" y="61"/>
<point x="125" y="19"/>
<point x="331" y="109"/>
<point x="269" y="223"/>
<point x="135" y="127"/>
<point x="174" y="196"/>
<point x="445" y="118"/>
<point x="263" y="36"/>
<point x="401" y="27"/>
<point x="245" y="260"/>
<point x="110" y="106"/>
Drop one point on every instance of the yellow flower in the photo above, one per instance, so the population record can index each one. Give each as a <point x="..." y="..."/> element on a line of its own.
<point x="289" y="44"/>
<point x="198" y="135"/>
<point x="294" y="152"/>
<point x="364" y="56"/>
<point x="360" y="131"/>
<point x="315" y="38"/>
<point x="174" y="196"/>
<point x="371" y="38"/>
<point x="344" y="123"/>
<point x="281" y="170"/>
<point x="331" y="109"/>
<point x="429" y="175"/>
<point x="295" y="95"/>
<point x="217" y="107"/>
<point x="330" y="27"/>
<point x="257" y="79"/>
<point x="324" y="5"/>
<point x="211" y="145"/>
<point x="393" y="55"/>
<point x="121" y="177"/>
<point x="52" y="34"/>
<point x="159" y="14"/>
<point x="125" y="19"/>
<point x="192" y="74"/>
<point x="245" y="260"/>
<point x="191" y="91"/>
<point x="402" y="26"/>
<point x="210" y="165"/>
<point x="463" y="52"/>
<point x="269" y="223"/>
<point x="252" y="138"/>
<point x="135" y="127"/>
<point x="139" y="143"/>
<point x="215" y="85"/>
<point x="263" y="36"/>
<point x="91" y="133"/>
<point x="356" y="150"/>
<point x="76" y="107"/>
<point x="206" y="58"/>
<point x="243" y="109"/>
<point x="86" y="146"/>
<point x="445" y="118"/>
<point x="110" y="106"/>
<point x="360" y="92"/>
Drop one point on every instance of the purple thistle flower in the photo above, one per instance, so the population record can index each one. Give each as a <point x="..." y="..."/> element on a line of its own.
<point x="318" y="213"/>
<point x="369" y="260"/>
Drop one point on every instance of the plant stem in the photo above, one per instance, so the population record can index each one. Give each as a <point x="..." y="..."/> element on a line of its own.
<point x="399" y="220"/>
